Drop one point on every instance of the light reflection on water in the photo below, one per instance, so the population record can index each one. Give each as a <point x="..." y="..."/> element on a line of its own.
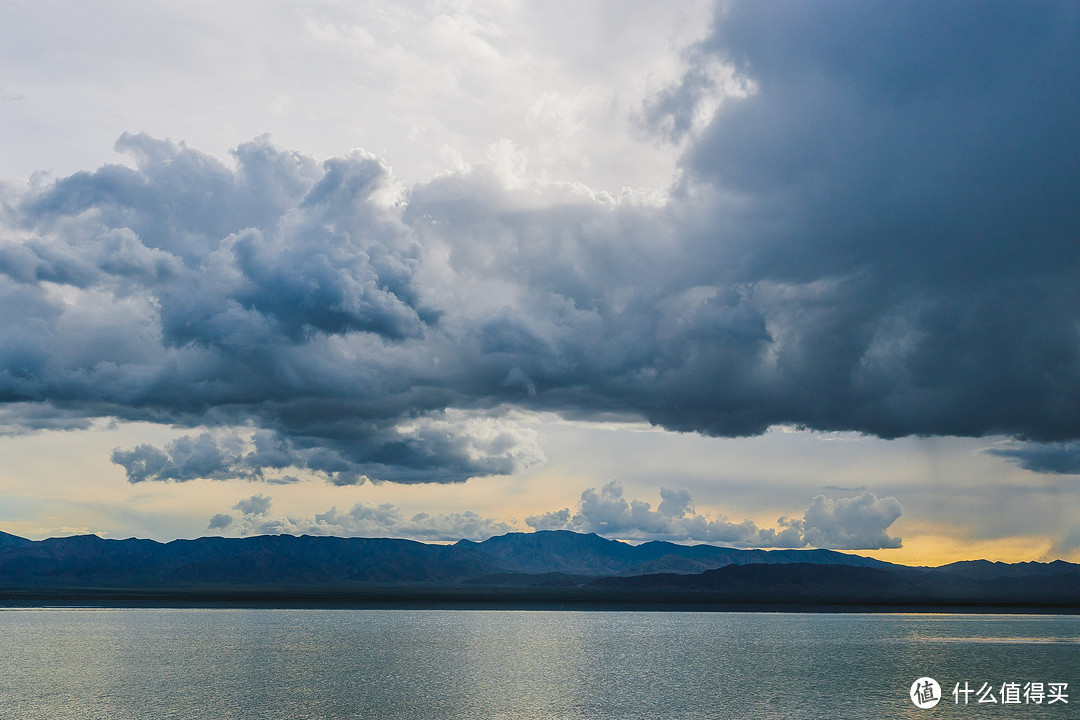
<point x="430" y="664"/>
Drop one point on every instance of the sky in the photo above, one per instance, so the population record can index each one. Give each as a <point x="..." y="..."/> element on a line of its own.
<point x="761" y="274"/>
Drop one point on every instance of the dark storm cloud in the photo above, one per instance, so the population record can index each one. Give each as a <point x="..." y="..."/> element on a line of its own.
<point x="1060" y="458"/>
<point x="17" y="418"/>
<point x="880" y="236"/>
<point x="185" y="459"/>
<point x="857" y="523"/>
<point x="905" y="183"/>
<point x="877" y="233"/>
<point x="439" y="447"/>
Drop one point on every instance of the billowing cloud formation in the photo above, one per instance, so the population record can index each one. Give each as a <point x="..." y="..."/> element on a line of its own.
<point x="385" y="520"/>
<point x="875" y="231"/>
<point x="857" y="523"/>
<point x="254" y="505"/>
<point x="440" y="447"/>
<point x="220" y="521"/>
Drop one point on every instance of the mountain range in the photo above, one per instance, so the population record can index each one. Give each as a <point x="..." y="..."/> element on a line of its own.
<point x="546" y="566"/>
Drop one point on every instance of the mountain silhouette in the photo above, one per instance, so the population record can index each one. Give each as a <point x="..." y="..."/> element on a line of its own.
<point x="551" y="566"/>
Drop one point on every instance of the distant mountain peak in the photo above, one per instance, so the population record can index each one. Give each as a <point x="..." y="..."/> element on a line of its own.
<point x="7" y="540"/>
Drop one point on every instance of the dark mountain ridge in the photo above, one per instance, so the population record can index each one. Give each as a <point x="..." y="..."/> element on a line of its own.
<point x="589" y="554"/>
<point x="91" y="560"/>
<point x="823" y="583"/>
<point x="558" y="564"/>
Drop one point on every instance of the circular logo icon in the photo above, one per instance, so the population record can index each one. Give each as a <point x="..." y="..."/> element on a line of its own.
<point x="925" y="693"/>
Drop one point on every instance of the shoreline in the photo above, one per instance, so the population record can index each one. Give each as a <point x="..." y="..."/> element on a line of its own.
<point x="459" y="598"/>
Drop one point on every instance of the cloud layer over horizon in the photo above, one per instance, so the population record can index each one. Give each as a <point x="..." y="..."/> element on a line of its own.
<point x="857" y="523"/>
<point x="875" y="230"/>
<point x="852" y="523"/>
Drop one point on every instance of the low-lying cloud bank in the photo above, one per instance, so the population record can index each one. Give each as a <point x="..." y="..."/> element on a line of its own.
<point x="855" y="523"/>
<point x="385" y="520"/>
<point x="876" y="233"/>
<point x="848" y="523"/>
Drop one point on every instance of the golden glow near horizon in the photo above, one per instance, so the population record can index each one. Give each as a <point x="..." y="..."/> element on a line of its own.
<point x="935" y="550"/>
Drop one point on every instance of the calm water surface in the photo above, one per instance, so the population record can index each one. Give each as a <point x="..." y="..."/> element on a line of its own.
<point x="432" y="664"/>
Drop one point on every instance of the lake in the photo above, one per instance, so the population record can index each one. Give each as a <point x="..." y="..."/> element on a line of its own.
<point x="253" y="664"/>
